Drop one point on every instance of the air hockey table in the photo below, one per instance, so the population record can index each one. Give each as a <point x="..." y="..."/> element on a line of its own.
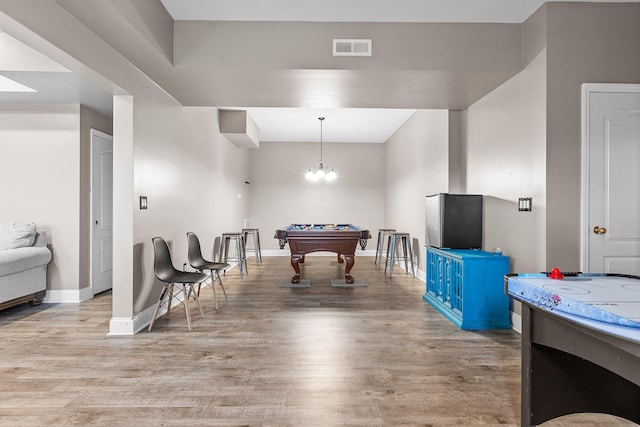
<point x="580" y="344"/>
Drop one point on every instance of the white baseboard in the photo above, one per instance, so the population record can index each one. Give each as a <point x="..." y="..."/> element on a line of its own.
<point x="121" y="326"/>
<point x="68" y="295"/>
<point x="131" y="326"/>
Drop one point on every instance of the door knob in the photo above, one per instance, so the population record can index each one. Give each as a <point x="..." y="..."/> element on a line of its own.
<point x="599" y="230"/>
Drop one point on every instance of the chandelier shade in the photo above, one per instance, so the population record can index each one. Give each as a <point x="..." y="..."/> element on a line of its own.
<point x="322" y="171"/>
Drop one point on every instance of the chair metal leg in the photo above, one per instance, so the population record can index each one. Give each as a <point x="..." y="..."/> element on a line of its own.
<point x="245" y="235"/>
<point x="404" y="253"/>
<point x="413" y="271"/>
<point x="239" y="256"/>
<point x="259" y="247"/>
<point x="256" y="246"/>
<point x="386" y="258"/>
<point x="195" y="296"/>
<point x="243" y="255"/>
<point x="394" y="250"/>
<point x="213" y="287"/>
<point x="170" y="300"/>
<point x="225" y="249"/>
<point x="219" y="278"/>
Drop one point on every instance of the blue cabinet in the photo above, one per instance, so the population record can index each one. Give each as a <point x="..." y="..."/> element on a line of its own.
<point x="467" y="286"/>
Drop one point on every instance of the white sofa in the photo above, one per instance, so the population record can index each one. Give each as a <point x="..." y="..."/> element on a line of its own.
<point x="24" y="257"/>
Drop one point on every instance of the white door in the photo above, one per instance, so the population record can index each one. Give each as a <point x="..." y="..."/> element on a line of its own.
<point x="101" y="211"/>
<point x="611" y="179"/>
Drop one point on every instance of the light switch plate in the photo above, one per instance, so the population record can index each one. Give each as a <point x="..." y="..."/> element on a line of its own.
<point x="525" y="204"/>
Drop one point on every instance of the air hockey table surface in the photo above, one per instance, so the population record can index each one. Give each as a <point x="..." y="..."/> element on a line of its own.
<point x="610" y="303"/>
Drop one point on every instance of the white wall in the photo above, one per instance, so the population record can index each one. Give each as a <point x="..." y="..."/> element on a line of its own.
<point x="416" y="165"/>
<point x="46" y="156"/>
<point x="280" y="194"/>
<point x="39" y="171"/>
<point x="191" y="175"/>
<point x="506" y="152"/>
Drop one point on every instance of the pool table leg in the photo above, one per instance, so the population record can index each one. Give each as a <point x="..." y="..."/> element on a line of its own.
<point x="347" y="268"/>
<point x="295" y="263"/>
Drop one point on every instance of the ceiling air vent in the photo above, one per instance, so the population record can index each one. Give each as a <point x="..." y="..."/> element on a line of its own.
<point x="351" y="47"/>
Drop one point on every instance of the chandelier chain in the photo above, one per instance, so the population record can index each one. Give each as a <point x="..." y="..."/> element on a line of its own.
<point x="320" y="171"/>
<point x="321" y="120"/>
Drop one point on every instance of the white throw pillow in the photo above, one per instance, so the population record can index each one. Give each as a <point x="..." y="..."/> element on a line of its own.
<point x="17" y="235"/>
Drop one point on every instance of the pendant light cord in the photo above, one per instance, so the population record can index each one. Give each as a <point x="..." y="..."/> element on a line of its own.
<point x="321" y="119"/>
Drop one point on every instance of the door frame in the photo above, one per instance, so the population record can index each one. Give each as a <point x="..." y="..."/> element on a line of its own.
<point x="104" y="135"/>
<point x="587" y="90"/>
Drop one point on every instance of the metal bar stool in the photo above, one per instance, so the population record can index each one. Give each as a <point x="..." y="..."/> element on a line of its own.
<point x="383" y="233"/>
<point x="392" y="249"/>
<point x="255" y="234"/>
<point x="240" y="255"/>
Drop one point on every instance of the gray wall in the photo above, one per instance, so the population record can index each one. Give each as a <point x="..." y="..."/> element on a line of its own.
<point x="416" y="165"/>
<point x="193" y="178"/>
<point x="414" y="65"/>
<point x="280" y="194"/>
<point x="506" y="139"/>
<point x="564" y="45"/>
<point x="587" y="43"/>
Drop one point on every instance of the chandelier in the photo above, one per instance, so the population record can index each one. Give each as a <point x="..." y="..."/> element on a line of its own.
<point x="321" y="171"/>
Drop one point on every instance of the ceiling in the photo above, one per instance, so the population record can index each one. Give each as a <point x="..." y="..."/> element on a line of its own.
<point x="50" y="81"/>
<point x="513" y="11"/>
<point x="277" y="122"/>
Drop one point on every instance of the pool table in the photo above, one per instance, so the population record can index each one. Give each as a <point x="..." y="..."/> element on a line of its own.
<point x="341" y="239"/>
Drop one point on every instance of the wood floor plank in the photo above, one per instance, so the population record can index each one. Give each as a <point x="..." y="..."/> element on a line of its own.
<point x="270" y="356"/>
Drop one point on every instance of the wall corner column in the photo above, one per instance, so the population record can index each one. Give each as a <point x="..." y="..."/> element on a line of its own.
<point x="122" y="322"/>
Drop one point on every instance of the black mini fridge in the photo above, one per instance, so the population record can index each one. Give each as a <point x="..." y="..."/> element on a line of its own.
<point x="454" y="221"/>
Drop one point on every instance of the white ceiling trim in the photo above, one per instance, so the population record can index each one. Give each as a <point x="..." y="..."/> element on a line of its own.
<point x="8" y="85"/>
<point x="17" y="56"/>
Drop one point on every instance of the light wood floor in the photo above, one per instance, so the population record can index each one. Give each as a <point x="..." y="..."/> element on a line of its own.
<point x="323" y="356"/>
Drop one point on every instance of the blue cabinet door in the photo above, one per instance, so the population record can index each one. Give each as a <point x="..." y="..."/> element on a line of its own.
<point x="467" y="287"/>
